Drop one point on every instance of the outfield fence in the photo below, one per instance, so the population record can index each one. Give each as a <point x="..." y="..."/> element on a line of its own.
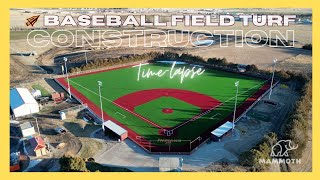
<point x="100" y="69"/>
<point x="170" y="146"/>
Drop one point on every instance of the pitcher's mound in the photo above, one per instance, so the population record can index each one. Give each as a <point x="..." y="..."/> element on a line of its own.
<point x="167" y="110"/>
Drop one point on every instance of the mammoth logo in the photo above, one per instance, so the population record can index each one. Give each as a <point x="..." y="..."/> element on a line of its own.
<point x="282" y="147"/>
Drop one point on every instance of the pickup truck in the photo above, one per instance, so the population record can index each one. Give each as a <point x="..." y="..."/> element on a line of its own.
<point x="60" y="130"/>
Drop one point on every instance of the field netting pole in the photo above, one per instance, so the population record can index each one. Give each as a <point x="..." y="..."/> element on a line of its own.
<point x="274" y="68"/>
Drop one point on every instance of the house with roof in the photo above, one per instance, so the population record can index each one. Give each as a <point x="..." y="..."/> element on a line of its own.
<point x="22" y="102"/>
<point x="38" y="145"/>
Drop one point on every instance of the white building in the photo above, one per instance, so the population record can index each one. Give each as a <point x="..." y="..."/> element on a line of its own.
<point x="27" y="129"/>
<point x="36" y="93"/>
<point x="22" y="102"/>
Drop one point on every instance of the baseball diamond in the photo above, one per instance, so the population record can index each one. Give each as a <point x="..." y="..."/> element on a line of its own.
<point x="161" y="114"/>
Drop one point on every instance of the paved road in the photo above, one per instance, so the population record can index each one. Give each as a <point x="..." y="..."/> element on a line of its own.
<point x="128" y="154"/>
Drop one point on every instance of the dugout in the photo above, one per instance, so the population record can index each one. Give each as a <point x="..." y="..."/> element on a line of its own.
<point x="221" y="131"/>
<point x="115" y="131"/>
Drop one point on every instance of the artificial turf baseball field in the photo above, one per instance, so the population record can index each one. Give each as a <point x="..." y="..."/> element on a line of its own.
<point x="148" y="106"/>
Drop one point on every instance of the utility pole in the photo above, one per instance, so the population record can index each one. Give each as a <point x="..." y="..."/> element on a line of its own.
<point x="38" y="126"/>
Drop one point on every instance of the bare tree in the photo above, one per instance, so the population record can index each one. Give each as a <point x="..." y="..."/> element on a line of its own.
<point x="82" y="123"/>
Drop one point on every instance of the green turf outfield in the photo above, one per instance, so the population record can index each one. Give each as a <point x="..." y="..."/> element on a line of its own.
<point x="120" y="82"/>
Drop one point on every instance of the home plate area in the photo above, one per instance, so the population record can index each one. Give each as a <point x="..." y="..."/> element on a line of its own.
<point x="167" y="109"/>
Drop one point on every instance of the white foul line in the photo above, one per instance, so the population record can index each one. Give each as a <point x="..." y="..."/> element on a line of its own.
<point x="192" y="119"/>
<point x="214" y="115"/>
<point x="119" y="105"/>
<point x="123" y="116"/>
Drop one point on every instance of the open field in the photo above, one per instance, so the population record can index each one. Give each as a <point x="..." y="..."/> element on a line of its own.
<point x="44" y="92"/>
<point x="302" y="32"/>
<point x="23" y="68"/>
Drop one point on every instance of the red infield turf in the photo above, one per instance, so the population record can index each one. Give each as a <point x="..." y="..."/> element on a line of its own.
<point x="131" y="101"/>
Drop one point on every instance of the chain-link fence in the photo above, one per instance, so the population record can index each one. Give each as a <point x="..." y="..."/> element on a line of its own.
<point x="72" y="111"/>
<point x="174" y="146"/>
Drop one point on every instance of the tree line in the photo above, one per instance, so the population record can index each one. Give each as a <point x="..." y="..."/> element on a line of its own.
<point x="114" y="61"/>
<point x="296" y="129"/>
<point x="70" y="163"/>
<point x="216" y="63"/>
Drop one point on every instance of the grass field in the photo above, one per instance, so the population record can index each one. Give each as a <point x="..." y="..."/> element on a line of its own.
<point x="44" y="92"/>
<point x="23" y="34"/>
<point x="120" y="82"/>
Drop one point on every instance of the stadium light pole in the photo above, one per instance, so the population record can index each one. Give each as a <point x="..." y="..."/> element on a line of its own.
<point x="235" y="104"/>
<point x="62" y="69"/>
<point x="65" y="64"/>
<point x="100" y="84"/>
<point x="274" y="68"/>
<point x="85" y="54"/>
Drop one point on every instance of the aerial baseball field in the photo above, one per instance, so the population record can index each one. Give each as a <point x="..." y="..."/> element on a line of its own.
<point x="161" y="104"/>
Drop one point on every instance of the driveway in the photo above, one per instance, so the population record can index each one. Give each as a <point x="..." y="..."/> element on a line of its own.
<point x="128" y="154"/>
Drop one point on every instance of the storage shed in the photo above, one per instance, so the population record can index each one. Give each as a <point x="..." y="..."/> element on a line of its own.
<point x="27" y="129"/>
<point x="36" y="93"/>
